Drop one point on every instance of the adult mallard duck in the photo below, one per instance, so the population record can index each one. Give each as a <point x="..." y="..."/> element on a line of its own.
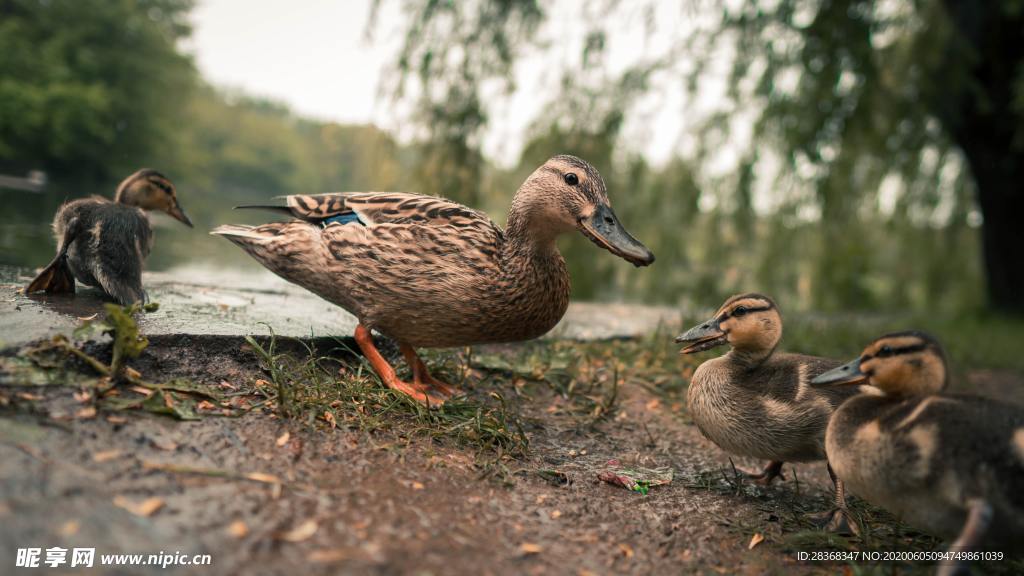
<point x="757" y="402"/>
<point x="432" y="273"/>
<point x="951" y="465"/>
<point x="104" y="244"/>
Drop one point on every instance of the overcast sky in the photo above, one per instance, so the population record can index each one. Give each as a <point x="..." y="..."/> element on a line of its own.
<point x="311" y="54"/>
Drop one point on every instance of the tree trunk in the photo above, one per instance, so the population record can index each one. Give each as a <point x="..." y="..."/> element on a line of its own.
<point x="999" y="177"/>
<point x="978" y="113"/>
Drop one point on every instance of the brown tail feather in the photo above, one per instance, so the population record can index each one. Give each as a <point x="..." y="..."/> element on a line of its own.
<point x="56" y="278"/>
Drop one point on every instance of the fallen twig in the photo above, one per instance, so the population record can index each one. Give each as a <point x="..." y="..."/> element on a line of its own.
<point x="212" y="472"/>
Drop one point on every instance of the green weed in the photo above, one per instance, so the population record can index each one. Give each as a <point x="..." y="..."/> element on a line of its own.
<point x="319" y="389"/>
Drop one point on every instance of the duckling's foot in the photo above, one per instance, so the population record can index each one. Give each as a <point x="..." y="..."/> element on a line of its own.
<point x="421" y="376"/>
<point x="765" y="477"/>
<point x="837" y="521"/>
<point x="56" y="278"/>
<point x="415" y="390"/>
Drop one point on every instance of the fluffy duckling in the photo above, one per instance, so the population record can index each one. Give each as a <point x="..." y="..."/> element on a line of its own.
<point x="757" y="402"/>
<point x="103" y="244"/>
<point x="952" y="465"/>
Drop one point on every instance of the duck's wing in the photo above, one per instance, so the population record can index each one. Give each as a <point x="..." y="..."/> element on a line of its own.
<point x="341" y="245"/>
<point x="372" y="208"/>
<point x="786" y="378"/>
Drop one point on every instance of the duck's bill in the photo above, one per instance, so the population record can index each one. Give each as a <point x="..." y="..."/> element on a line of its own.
<point x="702" y="337"/>
<point x="848" y="373"/>
<point x="603" y="228"/>
<point x="178" y="214"/>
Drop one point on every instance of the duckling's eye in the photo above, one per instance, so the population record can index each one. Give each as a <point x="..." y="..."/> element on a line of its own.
<point x="739" y="311"/>
<point x="572" y="179"/>
<point x="161" y="186"/>
<point x="885" y="350"/>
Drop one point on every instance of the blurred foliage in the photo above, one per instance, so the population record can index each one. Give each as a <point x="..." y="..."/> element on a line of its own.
<point x="91" y="88"/>
<point x="852" y="187"/>
<point x="454" y="49"/>
<point x="846" y="194"/>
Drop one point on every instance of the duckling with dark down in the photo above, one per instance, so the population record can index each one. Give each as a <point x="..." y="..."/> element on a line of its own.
<point x="104" y="244"/>
<point x="428" y="272"/>
<point x="757" y="402"/>
<point x="948" y="464"/>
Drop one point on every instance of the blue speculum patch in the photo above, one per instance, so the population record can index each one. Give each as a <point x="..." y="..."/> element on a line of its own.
<point x="346" y="218"/>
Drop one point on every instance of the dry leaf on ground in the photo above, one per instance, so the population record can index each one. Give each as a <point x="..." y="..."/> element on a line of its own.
<point x="106" y="455"/>
<point x="301" y="532"/>
<point x="283" y="439"/>
<point x="261" y="477"/>
<point x="238" y="529"/>
<point x="530" y="548"/>
<point x="329" y="556"/>
<point x="146" y="508"/>
<point x="69" y="528"/>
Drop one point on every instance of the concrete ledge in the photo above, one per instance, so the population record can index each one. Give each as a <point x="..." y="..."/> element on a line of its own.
<point x="239" y="303"/>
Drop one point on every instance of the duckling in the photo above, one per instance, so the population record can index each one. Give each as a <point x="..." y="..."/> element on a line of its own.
<point x="432" y="273"/>
<point x="103" y="244"/>
<point x="949" y="464"/>
<point x="756" y="402"/>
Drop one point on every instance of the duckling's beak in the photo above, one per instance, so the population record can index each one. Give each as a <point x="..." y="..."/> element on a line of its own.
<point x="604" y="229"/>
<point x="178" y="214"/>
<point x="702" y="337"/>
<point x="848" y="373"/>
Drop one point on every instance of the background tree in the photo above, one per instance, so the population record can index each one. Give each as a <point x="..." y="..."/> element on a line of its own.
<point x="89" y="88"/>
<point x="872" y="122"/>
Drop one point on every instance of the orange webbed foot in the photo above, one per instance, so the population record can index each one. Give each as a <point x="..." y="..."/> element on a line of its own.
<point x="423" y="389"/>
<point x="422" y="376"/>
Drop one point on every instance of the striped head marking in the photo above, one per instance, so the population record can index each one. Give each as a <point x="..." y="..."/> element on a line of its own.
<point x="567" y="193"/>
<point x="909" y="363"/>
<point x="151" y="190"/>
<point x="748" y="322"/>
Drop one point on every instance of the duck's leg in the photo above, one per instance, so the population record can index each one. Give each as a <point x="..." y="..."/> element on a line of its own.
<point x="765" y="477"/>
<point x="421" y="376"/>
<point x="417" y="391"/>
<point x="839" y="519"/>
<point x="979" y="516"/>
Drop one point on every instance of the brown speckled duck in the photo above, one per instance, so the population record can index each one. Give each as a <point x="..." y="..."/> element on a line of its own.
<point x="428" y="272"/>
<point x="757" y="402"/>
<point x="949" y="464"/>
<point x="104" y="244"/>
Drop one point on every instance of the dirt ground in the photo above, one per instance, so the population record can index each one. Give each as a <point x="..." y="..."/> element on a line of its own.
<point x="265" y="493"/>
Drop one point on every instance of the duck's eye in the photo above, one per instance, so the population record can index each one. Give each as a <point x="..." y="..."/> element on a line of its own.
<point x="572" y="179"/>
<point x="885" y="351"/>
<point x="739" y="311"/>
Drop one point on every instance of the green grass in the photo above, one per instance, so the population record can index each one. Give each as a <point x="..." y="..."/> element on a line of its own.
<point x="319" y="390"/>
<point x="586" y="375"/>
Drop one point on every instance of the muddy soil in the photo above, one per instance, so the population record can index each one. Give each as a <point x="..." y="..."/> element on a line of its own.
<point x="263" y="494"/>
